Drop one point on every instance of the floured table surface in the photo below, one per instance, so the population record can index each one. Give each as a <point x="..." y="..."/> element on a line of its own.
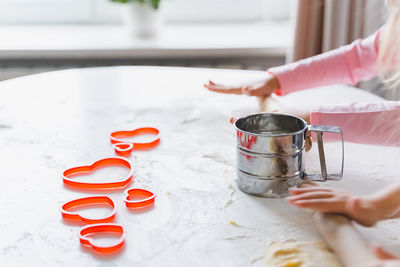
<point x="53" y="121"/>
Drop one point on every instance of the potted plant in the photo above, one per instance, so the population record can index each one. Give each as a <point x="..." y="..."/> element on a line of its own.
<point x="142" y="17"/>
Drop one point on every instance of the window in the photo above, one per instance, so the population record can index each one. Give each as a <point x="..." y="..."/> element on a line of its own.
<point x="92" y="11"/>
<point x="44" y="11"/>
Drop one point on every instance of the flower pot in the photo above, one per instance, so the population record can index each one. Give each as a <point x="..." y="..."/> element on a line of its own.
<point x="142" y="20"/>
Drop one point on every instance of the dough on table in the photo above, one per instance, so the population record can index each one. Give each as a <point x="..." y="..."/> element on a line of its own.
<point x="301" y="254"/>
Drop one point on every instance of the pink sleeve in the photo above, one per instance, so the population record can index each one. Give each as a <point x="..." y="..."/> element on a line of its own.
<point x="345" y="65"/>
<point x="368" y="123"/>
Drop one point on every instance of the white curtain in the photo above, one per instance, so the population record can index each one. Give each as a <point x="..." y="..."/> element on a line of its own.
<point x="323" y="25"/>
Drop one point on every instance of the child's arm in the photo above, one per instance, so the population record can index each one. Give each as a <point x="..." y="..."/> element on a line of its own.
<point x="368" y="123"/>
<point x="345" y="65"/>
<point x="388" y="201"/>
<point x="382" y="205"/>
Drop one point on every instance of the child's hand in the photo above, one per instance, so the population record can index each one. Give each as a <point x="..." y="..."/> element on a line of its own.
<point x="264" y="87"/>
<point x="364" y="210"/>
<point x="385" y="259"/>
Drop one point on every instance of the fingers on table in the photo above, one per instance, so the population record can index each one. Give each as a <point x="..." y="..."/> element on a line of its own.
<point x="311" y="195"/>
<point x="308" y="188"/>
<point x="237" y="90"/>
<point x="319" y="204"/>
<point x="224" y="89"/>
<point x="321" y="199"/>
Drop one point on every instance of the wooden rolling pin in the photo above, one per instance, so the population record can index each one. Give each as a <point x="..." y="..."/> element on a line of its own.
<point x="344" y="239"/>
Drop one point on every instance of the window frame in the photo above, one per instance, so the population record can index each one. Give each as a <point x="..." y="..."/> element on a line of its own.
<point x="104" y="11"/>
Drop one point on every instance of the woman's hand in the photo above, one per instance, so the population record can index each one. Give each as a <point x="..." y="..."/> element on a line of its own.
<point x="263" y="88"/>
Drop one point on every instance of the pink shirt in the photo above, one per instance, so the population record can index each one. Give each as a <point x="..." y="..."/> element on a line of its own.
<point x="371" y="123"/>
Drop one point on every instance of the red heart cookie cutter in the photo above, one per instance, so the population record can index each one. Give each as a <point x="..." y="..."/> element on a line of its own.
<point x="123" y="149"/>
<point x="115" y="137"/>
<point x="102" y="228"/>
<point x="88" y="201"/>
<point x="147" y="198"/>
<point x="106" y="162"/>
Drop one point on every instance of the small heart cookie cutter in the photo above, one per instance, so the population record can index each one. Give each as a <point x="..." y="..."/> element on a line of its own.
<point x="147" y="199"/>
<point x="88" y="201"/>
<point x="115" y="137"/>
<point x="102" y="228"/>
<point x="123" y="149"/>
<point x="67" y="174"/>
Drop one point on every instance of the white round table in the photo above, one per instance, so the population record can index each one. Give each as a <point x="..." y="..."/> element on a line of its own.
<point x="53" y="121"/>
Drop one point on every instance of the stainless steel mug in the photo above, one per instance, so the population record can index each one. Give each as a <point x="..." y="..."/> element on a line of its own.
<point x="269" y="153"/>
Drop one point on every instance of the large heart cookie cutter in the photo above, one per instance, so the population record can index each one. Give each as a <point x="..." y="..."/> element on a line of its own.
<point x="88" y="201"/>
<point x="117" y="137"/>
<point x="68" y="174"/>
<point x="147" y="198"/>
<point x="102" y="228"/>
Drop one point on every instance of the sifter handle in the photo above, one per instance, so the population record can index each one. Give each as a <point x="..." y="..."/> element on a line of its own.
<point x="324" y="176"/>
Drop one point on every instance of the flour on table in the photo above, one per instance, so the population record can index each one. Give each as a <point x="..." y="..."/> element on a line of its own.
<point x="230" y="201"/>
<point x="234" y="223"/>
<point x="301" y="254"/>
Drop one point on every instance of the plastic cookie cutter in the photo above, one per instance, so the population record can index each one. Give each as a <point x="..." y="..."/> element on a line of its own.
<point x="106" y="162"/>
<point x="136" y="198"/>
<point x="88" y="201"/>
<point x="86" y="239"/>
<point x="123" y="149"/>
<point x="118" y="137"/>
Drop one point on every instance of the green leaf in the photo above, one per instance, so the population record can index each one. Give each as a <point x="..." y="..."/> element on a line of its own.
<point x="154" y="3"/>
